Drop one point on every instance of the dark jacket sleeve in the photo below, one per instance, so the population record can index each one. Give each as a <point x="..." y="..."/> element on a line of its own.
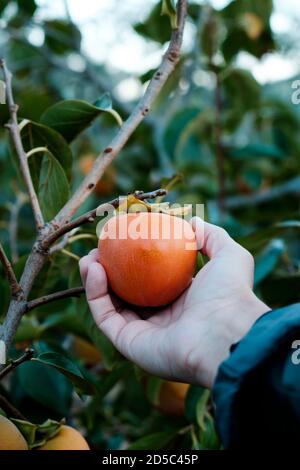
<point x="257" y="390"/>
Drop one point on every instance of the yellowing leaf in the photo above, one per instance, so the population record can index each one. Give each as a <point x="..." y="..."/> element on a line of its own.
<point x="252" y="24"/>
<point x="168" y="8"/>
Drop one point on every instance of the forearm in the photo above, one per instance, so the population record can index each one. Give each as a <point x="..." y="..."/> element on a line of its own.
<point x="231" y="324"/>
<point x="258" y="386"/>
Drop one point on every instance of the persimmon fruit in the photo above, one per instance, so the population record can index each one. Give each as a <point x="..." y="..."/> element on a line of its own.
<point x="172" y="398"/>
<point x="10" y="436"/>
<point x="67" y="438"/>
<point x="107" y="183"/>
<point x="149" y="257"/>
<point x="86" y="351"/>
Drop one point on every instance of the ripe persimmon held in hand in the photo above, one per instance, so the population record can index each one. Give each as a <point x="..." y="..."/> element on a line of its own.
<point x="149" y="258"/>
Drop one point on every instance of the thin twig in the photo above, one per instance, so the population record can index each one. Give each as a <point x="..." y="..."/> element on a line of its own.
<point x="281" y="190"/>
<point x="16" y="138"/>
<point x="10" y="410"/>
<point x="27" y="356"/>
<point x="219" y="146"/>
<point x="10" y="274"/>
<point x="46" y="299"/>
<point x="90" y="216"/>
<point x="13" y="224"/>
<point x="141" y="110"/>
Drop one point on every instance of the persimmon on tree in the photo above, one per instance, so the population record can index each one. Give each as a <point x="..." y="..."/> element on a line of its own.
<point x="45" y="171"/>
<point x="210" y="130"/>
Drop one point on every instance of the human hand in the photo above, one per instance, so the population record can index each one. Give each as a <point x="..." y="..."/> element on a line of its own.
<point x="188" y="339"/>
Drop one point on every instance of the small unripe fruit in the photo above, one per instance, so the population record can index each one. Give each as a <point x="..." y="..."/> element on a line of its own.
<point x="149" y="258"/>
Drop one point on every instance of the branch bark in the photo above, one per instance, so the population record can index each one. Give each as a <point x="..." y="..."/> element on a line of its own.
<point x="46" y="299"/>
<point x="141" y="110"/>
<point x="16" y="138"/>
<point x="28" y="354"/>
<point x="289" y="187"/>
<point x="10" y="410"/>
<point x="10" y="274"/>
<point x="90" y="216"/>
<point x="219" y="146"/>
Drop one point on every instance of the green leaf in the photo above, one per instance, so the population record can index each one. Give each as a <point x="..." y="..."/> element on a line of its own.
<point x="241" y="89"/>
<point x="237" y="16"/>
<point x="267" y="260"/>
<point x="53" y="190"/>
<point x="100" y="341"/>
<point x="28" y="330"/>
<point x="196" y="404"/>
<point x="46" y="386"/>
<point x="67" y="368"/>
<point x="36" y="135"/>
<point x="37" y="434"/>
<point x="169" y="8"/>
<point x="257" y="150"/>
<point x="212" y="35"/>
<point x="281" y="290"/>
<point x="155" y="27"/>
<point x="62" y="36"/>
<point x="209" y="438"/>
<point x="28" y="7"/>
<point x="156" y="441"/>
<point x="257" y="240"/>
<point x="153" y="387"/>
<point x="66" y="321"/>
<point x="71" y="117"/>
<point x="24" y="56"/>
<point x="120" y="371"/>
<point x="175" y="127"/>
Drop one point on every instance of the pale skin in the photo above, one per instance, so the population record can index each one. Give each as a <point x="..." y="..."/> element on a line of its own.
<point x="188" y="340"/>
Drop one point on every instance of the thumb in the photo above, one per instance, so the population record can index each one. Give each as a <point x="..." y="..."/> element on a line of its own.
<point x="214" y="242"/>
<point x="105" y="315"/>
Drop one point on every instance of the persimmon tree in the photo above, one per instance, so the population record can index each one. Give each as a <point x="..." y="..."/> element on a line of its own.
<point x="204" y="127"/>
<point x="51" y="231"/>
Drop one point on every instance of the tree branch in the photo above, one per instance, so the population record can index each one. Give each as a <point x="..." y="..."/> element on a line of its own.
<point x="141" y="110"/>
<point x="27" y="356"/>
<point x="10" y="274"/>
<point x="219" y="146"/>
<point x="10" y="410"/>
<point x="46" y="299"/>
<point x="90" y="216"/>
<point x="15" y="208"/>
<point x="16" y="138"/>
<point x="289" y="187"/>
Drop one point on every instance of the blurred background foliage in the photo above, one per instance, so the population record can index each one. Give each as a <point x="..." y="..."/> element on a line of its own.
<point x="223" y="139"/>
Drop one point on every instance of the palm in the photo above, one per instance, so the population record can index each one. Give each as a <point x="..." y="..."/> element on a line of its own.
<point x="187" y="323"/>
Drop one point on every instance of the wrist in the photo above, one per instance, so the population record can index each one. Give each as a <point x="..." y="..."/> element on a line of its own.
<point x="232" y="324"/>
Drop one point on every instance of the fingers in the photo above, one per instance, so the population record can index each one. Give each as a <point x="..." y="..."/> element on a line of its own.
<point x="215" y="241"/>
<point x="104" y="313"/>
<point x="106" y="316"/>
<point x="85" y="262"/>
